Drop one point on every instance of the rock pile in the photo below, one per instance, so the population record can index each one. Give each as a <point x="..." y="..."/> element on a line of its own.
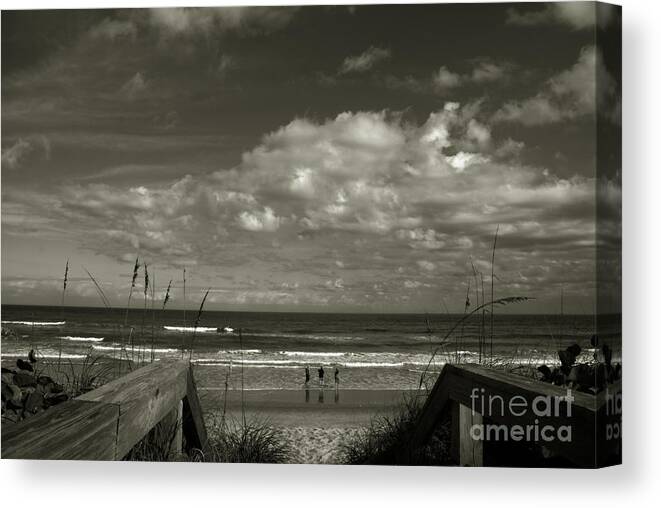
<point x="26" y="393"/>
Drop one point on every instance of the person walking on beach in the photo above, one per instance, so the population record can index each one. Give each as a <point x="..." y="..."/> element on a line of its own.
<point x="337" y="377"/>
<point x="321" y="375"/>
<point x="307" y="374"/>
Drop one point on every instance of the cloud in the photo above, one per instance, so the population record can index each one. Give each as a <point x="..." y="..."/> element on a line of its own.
<point x="489" y="72"/>
<point x="426" y="265"/>
<point x="364" y="61"/>
<point x="186" y="21"/>
<point x="368" y="186"/>
<point x="445" y="80"/>
<point x="16" y="155"/>
<point x="568" y="95"/>
<point x="114" y="29"/>
<point x="576" y="15"/>
<point x="259" y="220"/>
<point x="134" y="87"/>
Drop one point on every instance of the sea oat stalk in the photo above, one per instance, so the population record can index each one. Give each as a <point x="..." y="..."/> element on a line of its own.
<point x="197" y="323"/>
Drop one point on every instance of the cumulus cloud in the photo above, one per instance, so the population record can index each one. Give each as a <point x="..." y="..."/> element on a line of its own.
<point x="576" y="15"/>
<point x="264" y="220"/>
<point x="187" y="21"/>
<point x="570" y="94"/>
<point x="368" y="186"/>
<point x="364" y="61"/>
<point x="445" y="78"/>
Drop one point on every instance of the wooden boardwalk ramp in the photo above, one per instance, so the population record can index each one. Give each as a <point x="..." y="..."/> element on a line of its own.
<point x="493" y="412"/>
<point x="106" y="423"/>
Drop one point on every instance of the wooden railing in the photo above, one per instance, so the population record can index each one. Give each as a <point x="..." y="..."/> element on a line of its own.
<point x="106" y="423"/>
<point x="466" y="390"/>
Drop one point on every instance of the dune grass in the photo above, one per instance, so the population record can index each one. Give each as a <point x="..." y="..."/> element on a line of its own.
<point x="246" y="441"/>
<point x="387" y="440"/>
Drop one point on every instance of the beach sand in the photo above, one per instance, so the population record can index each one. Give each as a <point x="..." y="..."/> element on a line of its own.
<point x="315" y="423"/>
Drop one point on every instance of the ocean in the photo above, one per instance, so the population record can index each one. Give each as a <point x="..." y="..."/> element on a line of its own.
<point x="370" y="351"/>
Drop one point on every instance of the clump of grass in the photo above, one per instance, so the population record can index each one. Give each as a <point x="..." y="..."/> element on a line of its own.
<point x="246" y="441"/>
<point x="157" y="445"/>
<point x="388" y="440"/>
<point x="87" y="376"/>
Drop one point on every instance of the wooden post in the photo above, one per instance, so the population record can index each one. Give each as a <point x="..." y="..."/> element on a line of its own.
<point x="177" y="444"/>
<point x="193" y="423"/>
<point x="471" y="451"/>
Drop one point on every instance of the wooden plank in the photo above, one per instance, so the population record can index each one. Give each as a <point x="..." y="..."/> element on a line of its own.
<point x="193" y="421"/>
<point x="457" y="382"/>
<point x="145" y="397"/>
<point x="515" y="384"/>
<point x="471" y="451"/>
<point x="74" y="430"/>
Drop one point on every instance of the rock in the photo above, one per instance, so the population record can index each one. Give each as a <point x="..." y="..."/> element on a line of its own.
<point x="32" y="357"/>
<point x="23" y="365"/>
<point x="27" y="390"/>
<point x="51" y="399"/>
<point x="45" y="380"/>
<point x="22" y="379"/>
<point x="56" y="388"/>
<point x="8" y="377"/>
<point x="12" y="395"/>
<point x="11" y="416"/>
<point x="7" y="392"/>
<point x="34" y="402"/>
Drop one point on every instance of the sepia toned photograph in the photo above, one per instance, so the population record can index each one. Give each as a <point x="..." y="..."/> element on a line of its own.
<point x="358" y="235"/>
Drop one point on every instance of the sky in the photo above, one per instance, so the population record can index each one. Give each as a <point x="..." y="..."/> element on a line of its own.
<point x="347" y="158"/>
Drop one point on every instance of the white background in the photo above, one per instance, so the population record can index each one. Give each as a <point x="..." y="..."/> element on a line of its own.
<point x="636" y="483"/>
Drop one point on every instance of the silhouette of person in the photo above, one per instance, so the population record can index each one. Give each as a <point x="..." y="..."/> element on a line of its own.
<point x="307" y="374"/>
<point x="321" y="375"/>
<point x="337" y="377"/>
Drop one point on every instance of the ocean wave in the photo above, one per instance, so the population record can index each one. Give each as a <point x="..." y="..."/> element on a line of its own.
<point x="53" y="354"/>
<point x="82" y="339"/>
<point x="127" y="348"/>
<point x="209" y="362"/>
<point x="35" y="323"/>
<point x="311" y="353"/>
<point x="239" y="351"/>
<point x="199" y="329"/>
<point x="290" y="335"/>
